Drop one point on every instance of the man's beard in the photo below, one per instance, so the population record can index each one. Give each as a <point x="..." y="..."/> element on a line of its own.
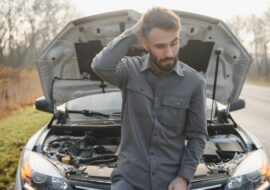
<point x="160" y="63"/>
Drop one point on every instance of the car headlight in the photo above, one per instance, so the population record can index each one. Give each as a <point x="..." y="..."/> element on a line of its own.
<point x="248" y="174"/>
<point x="38" y="173"/>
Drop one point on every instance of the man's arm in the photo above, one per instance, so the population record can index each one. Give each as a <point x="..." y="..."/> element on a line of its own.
<point x="196" y="133"/>
<point x="110" y="64"/>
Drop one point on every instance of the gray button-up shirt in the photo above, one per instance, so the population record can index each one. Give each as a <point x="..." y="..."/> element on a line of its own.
<point x="160" y="112"/>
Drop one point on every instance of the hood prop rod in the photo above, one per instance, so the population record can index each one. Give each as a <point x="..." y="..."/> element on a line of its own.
<point x="59" y="115"/>
<point x="217" y="52"/>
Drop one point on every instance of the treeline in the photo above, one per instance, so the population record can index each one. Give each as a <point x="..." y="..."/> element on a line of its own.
<point x="26" y="26"/>
<point x="254" y="32"/>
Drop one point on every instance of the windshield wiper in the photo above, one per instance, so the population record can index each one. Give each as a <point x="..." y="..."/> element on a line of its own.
<point x="91" y="113"/>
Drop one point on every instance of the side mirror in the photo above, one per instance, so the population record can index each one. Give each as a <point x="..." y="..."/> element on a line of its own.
<point x="237" y="105"/>
<point x="43" y="105"/>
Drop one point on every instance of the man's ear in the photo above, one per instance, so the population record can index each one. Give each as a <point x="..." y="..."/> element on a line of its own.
<point x="145" y="43"/>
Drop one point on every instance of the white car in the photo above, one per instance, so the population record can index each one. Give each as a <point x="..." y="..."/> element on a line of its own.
<point x="77" y="149"/>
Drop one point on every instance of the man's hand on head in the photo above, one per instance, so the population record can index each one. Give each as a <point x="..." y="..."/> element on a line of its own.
<point x="179" y="183"/>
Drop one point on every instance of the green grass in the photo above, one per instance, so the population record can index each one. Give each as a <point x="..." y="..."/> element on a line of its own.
<point x="15" y="130"/>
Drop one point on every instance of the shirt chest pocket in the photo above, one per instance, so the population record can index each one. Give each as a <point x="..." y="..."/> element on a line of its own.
<point x="137" y="91"/>
<point x="139" y="98"/>
<point x="173" y="111"/>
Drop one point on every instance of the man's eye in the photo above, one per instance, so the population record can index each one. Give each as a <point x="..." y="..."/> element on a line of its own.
<point x="174" y="43"/>
<point x="159" y="46"/>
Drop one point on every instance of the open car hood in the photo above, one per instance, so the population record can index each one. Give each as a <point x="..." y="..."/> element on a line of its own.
<point x="64" y="65"/>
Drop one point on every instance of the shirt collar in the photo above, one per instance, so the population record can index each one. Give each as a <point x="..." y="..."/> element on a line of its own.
<point x="147" y="65"/>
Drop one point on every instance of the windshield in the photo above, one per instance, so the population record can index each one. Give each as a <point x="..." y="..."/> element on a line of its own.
<point x="110" y="103"/>
<point x="107" y="103"/>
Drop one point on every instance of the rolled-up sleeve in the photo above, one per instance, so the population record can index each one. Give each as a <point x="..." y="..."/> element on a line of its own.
<point x="195" y="133"/>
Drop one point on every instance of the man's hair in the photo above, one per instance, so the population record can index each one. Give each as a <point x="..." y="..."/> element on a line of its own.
<point x="159" y="17"/>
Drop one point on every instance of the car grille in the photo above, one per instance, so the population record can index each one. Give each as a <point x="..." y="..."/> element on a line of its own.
<point x="212" y="187"/>
<point x="87" y="185"/>
<point x="217" y="184"/>
<point x="85" y="188"/>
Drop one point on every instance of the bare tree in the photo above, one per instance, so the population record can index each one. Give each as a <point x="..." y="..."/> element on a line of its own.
<point x="254" y="33"/>
<point x="257" y="28"/>
<point x="28" y="25"/>
<point x="266" y="19"/>
<point x="238" y="26"/>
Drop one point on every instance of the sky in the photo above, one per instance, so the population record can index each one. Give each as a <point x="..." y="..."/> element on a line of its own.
<point x="223" y="10"/>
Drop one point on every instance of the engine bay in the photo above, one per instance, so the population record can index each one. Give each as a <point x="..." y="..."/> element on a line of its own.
<point x="92" y="154"/>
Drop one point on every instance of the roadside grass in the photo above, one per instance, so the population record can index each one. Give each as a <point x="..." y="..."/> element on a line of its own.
<point x="15" y="130"/>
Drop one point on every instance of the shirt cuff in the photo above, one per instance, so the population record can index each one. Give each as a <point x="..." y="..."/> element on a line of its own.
<point x="129" y="33"/>
<point x="185" y="174"/>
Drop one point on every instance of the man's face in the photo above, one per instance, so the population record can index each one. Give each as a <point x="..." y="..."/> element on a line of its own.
<point x="163" y="46"/>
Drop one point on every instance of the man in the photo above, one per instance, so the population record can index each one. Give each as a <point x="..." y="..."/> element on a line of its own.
<point x="163" y="105"/>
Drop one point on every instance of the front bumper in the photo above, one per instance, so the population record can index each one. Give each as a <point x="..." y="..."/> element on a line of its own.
<point x="264" y="186"/>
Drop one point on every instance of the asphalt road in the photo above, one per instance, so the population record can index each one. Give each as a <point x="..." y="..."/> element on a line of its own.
<point x="256" y="116"/>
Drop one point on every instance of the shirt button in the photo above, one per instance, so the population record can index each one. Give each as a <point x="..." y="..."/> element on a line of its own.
<point x="151" y="153"/>
<point x="153" y="173"/>
<point x="178" y="103"/>
<point x="155" y="134"/>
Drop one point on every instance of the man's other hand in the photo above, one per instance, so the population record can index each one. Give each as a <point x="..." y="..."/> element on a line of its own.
<point x="179" y="183"/>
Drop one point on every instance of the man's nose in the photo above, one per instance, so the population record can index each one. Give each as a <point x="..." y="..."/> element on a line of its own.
<point x="169" y="52"/>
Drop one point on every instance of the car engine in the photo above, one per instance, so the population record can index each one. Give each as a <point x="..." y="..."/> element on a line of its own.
<point x="91" y="154"/>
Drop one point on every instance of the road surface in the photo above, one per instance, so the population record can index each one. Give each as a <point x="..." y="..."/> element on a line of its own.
<point x="256" y="116"/>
